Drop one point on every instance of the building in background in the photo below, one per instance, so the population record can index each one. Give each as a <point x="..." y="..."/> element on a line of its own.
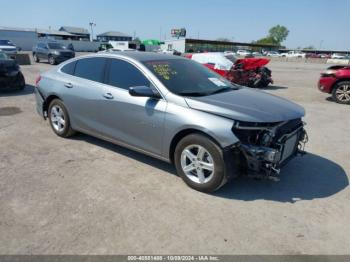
<point x="113" y="36"/>
<point x="55" y="34"/>
<point x="26" y="38"/>
<point x="187" y="45"/>
<point x="81" y="33"/>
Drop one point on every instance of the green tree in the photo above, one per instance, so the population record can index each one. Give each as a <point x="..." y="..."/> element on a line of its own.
<point x="279" y="33"/>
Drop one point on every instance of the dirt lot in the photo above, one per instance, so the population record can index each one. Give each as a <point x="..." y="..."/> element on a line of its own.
<point x="86" y="196"/>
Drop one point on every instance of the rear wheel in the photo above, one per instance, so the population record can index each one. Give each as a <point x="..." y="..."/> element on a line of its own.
<point x="59" y="119"/>
<point x="199" y="162"/>
<point x="341" y="92"/>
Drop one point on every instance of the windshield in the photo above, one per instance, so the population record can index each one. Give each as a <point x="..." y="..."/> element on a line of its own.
<point x="3" y="56"/>
<point x="6" y="42"/>
<point x="56" y="46"/>
<point x="188" y="78"/>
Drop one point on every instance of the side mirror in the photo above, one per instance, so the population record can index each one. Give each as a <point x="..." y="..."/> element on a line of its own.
<point x="143" y="91"/>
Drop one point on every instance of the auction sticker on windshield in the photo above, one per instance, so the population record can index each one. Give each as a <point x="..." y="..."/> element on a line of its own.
<point x="217" y="81"/>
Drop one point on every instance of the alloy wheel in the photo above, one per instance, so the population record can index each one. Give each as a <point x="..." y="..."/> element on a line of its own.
<point x="343" y="93"/>
<point x="197" y="164"/>
<point x="57" y="118"/>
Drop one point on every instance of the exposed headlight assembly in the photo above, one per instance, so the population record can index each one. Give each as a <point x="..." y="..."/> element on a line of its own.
<point x="329" y="72"/>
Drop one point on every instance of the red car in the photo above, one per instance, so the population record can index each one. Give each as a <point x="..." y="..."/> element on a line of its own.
<point x="247" y="72"/>
<point x="336" y="81"/>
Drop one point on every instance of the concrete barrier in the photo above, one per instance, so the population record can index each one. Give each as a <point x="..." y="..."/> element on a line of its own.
<point x="338" y="61"/>
<point x="23" y="59"/>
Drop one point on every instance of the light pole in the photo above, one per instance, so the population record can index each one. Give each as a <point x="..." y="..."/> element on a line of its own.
<point x="92" y="31"/>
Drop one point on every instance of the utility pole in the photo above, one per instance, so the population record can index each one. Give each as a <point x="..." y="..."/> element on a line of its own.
<point x="321" y="44"/>
<point x="92" y="31"/>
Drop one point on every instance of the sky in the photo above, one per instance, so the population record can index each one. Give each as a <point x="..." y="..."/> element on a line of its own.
<point x="323" y="24"/>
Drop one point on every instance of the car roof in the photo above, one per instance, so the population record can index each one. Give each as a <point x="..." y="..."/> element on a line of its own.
<point x="142" y="56"/>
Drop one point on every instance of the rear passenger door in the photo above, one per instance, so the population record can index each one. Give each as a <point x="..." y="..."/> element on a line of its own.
<point x="83" y="92"/>
<point x="136" y="121"/>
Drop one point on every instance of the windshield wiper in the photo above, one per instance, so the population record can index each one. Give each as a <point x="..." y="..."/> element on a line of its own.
<point x="224" y="89"/>
<point x="192" y="94"/>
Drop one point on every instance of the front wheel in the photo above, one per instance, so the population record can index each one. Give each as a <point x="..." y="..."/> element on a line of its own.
<point x="341" y="92"/>
<point x="199" y="162"/>
<point x="52" y="60"/>
<point x="59" y="119"/>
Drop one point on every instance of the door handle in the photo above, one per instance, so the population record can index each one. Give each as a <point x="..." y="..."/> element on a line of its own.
<point x="108" y="96"/>
<point x="68" y="85"/>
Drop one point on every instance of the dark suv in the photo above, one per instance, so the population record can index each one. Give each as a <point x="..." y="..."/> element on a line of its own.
<point x="53" y="52"/>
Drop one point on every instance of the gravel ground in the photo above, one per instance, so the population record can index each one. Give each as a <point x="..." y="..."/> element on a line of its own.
<point x="86" y="196"/>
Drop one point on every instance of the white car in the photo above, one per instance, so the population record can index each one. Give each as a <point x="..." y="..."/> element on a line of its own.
<point x="7" y="47"/>
<point x="111" y="50"/>
<point x="338" y="56"/>
<point x="292" y="54"/>
<point x="243" y="52"/>
<point x="273" y="54"/>
<point x="219" y="60"/>
<point x="229" y="53"/>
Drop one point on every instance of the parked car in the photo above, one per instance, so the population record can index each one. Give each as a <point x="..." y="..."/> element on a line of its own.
<point x="338" y="56"/>
<point x="243" y="53"/>
<point x="273" y="54"/>
<point x="312" y="55"/>
<point x="7" y="47"/>
<point x="255" y="54"/>
<point x="53" y="52"/>
<point x="292" y="54"/>
<point x="326" y="56"/>
<point x="336" y="81"/>
<point x="11" y="76"/>
<point x="247" y="71"/>
<point x="174" y="109"/>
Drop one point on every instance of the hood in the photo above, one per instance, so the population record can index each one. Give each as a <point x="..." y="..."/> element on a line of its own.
<point x="248" y="105"/>
<point x="338" y="67"/>
<point x="8" y="64"/>
<point x="252" y="63"/>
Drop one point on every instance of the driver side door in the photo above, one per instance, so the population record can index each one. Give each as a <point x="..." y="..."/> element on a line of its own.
<point x="136" y="121"/>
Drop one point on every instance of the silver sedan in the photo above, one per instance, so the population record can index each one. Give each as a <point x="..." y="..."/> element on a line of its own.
<point x="173" y="109"/>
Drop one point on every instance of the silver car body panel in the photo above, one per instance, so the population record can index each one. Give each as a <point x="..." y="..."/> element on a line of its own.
<point x="154" y="123"/>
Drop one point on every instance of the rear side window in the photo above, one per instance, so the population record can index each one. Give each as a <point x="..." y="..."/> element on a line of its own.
<point x="69" y="68"/>
<point x="124" y="75"/>
<point x="91" y="68"/>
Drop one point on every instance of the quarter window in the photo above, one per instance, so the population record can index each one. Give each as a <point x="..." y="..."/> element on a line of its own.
<point x="69" y="68"/>
<point x="91" y="68"/>
<point x="124" y="75"/>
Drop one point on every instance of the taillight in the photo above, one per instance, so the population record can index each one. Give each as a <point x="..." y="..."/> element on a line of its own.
<point x="37" y="80"/>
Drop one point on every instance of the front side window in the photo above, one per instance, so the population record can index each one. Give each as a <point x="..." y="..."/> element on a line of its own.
<point x="6" y="42"/>
<point x="91" y="68"/>
<point x="188" y="78"/>
<point x="122" y="74"/>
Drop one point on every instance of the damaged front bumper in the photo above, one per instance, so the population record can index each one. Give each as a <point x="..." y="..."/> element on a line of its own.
<point x="267" y="161"/>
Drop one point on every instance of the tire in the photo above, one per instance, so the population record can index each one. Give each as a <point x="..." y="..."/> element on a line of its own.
<point x="341" y="92"/>
<point x="204" y="160"/>
<point x="52" y="60"/>
<point x="59" y="119"/>
<point x="36" y="58"/>
<point x="21" y="82"/>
